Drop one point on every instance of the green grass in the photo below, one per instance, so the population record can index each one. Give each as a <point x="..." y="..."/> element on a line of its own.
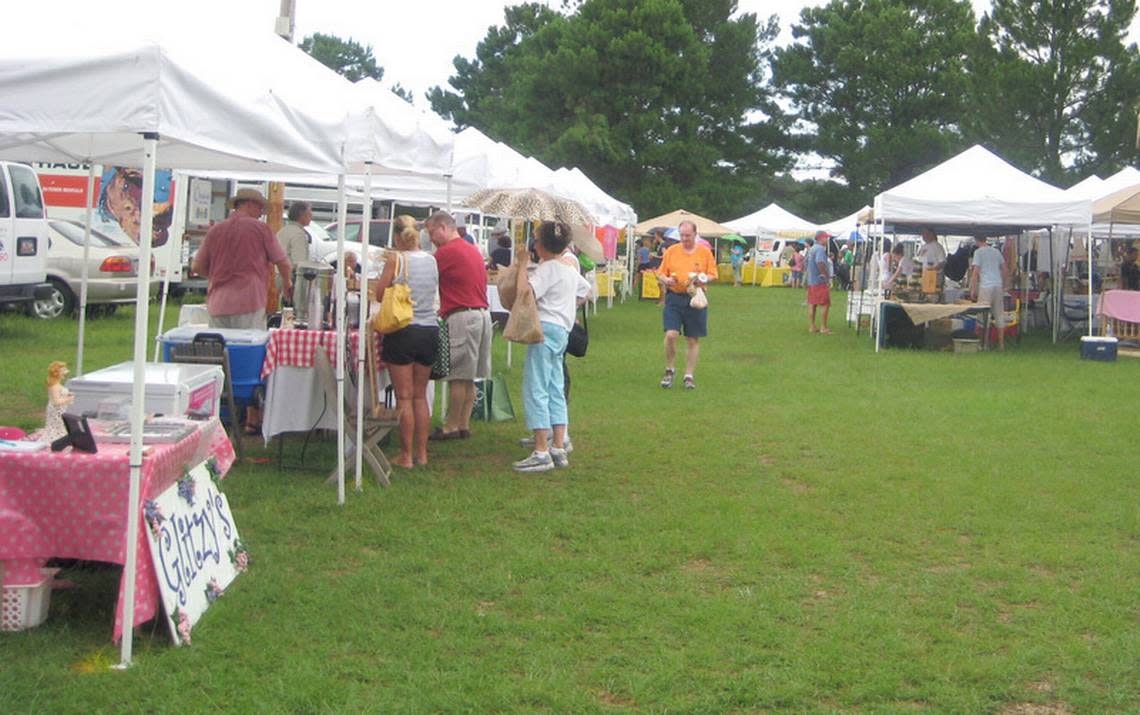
<point x="816" y="528"/>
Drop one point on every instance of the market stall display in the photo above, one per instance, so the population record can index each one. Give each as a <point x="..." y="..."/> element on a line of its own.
<point x="74" y="505"/>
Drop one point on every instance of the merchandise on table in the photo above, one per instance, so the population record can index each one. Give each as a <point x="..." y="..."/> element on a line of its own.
<point x="172" y="389"/>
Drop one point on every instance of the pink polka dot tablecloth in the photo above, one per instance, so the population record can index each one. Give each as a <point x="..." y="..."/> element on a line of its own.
<point x="74" y="505"/>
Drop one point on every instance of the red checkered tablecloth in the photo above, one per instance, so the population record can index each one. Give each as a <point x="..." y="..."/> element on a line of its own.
<point x="294" y="348"/>
<point x="74" y="505"/>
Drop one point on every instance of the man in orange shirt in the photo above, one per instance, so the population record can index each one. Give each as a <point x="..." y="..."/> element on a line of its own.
<point x="685" y="265"/>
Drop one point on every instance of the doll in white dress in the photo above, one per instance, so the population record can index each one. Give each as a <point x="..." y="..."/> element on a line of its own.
<point x="59" y="398"/>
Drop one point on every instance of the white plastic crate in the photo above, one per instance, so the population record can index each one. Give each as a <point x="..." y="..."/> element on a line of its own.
<point x="26" y="606"/>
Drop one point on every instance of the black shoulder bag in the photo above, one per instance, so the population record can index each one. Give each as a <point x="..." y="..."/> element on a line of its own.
<point x="579" y="339"/>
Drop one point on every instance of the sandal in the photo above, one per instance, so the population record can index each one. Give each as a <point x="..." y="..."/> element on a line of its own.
<point x="438" y="435"/>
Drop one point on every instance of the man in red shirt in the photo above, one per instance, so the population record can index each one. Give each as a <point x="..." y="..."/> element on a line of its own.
<point x="235" y="257"/>
<point x="463" y="304"/>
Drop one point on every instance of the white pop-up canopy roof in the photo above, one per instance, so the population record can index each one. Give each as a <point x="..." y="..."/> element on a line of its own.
<point x="394" y="136"/>
<point x="842" y="227"/>
<point x="772" y="219"/>
<point x="90" y="94"/>
<point x="978" y="191"/>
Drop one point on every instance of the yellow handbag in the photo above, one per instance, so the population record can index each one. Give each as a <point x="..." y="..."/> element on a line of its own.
<point x="396" y="305"/>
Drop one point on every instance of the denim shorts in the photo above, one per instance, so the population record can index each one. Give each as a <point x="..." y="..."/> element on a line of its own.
<point x="679" y="316"/>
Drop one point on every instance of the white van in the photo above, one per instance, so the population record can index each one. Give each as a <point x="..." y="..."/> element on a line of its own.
<point x="23" y="236"/>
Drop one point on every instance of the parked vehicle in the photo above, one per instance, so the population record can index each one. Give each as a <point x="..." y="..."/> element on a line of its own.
<point x="377" y="231"/>
<point x="112" y="271"/>
<point x="23" y="235"/>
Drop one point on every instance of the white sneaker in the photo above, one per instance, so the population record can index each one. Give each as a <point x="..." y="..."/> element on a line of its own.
<point x="529" y="441"/>
<point x="536" y="462"/>
<point x="559" y="457"/>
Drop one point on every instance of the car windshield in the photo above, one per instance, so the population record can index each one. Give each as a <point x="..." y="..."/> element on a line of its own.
<point x="74" y="232"/>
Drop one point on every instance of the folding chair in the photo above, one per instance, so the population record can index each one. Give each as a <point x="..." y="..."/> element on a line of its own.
<point x="210" y="349"/>
<point x="375" y="429"/>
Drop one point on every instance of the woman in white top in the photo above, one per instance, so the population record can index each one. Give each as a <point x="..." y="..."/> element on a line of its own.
<point x="410" y="352"/>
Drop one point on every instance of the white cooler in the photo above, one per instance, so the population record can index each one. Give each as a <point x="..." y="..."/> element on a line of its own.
<point x="172" y="390"/>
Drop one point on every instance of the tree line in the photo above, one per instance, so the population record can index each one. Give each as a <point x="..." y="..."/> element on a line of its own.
<point x="689" y="103"/>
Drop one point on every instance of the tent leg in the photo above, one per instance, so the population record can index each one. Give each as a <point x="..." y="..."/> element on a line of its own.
<point x="341" y="299"/>
<point x="362" y="329"/>
<point x="138" y="396"/>
<point x="85" y="270"/>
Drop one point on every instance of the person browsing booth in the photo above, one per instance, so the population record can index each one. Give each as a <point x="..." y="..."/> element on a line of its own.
<point x="684" y="264"/>
<point x="463" y="304"/>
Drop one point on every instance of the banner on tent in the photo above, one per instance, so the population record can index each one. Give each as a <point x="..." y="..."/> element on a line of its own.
<point x="195" y="547"/>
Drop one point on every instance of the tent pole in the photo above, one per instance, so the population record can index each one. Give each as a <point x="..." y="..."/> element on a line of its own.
<point x="173" y="244"/>
<point x="1090" y="289"/>
<point x="85" y="271"/>
<point x="341" y="298"/>
<point x="362" y="330"/>
<point x="138" y="396"/>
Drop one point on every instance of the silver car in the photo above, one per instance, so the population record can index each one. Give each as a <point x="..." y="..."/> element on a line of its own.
<point x="111" y="275"/>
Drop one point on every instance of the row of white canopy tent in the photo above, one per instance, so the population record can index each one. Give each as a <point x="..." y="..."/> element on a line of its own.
<point x="976" y="192"/>
<point x="774" y="220"/>
<point x="248" y="102"/>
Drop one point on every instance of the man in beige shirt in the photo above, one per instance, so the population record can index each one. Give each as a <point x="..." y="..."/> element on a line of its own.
<point x="293" y="237"/>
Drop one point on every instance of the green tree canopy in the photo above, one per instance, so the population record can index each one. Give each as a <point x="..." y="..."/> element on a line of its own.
<point x="1053" y="84"/>
<point x="347" y="57"/>
<point x="879" y="86"/>
<point x="662" y="102"/>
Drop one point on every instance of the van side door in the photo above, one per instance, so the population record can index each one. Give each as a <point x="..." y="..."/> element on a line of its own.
<point x="28" y="254"/>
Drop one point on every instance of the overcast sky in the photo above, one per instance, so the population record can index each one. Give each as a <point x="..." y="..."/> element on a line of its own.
<point x="414" y="40"/>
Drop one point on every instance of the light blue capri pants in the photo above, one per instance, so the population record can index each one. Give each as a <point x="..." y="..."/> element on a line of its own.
<point x="543" y="396"/>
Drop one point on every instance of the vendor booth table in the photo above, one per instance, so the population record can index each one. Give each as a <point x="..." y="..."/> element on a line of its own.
<point x="294" y="400"/>
<point x="921" y="313"/>
<point x="73" y="505"/>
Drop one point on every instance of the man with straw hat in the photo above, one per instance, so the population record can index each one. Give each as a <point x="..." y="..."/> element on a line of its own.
<point x="235" y="257"/>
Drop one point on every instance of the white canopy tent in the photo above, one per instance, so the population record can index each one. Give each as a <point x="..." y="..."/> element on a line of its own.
<point x="89" y="95"/>
<point x="842" y="227"/>
<point x="773" y="220"/>
<point x="977" y="192"/>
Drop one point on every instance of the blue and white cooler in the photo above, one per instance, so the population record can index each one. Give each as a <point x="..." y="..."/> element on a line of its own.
<point x="246" y="349"/>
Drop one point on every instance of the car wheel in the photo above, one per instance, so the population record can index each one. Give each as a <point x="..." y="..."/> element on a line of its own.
<point x="60" y="302"/>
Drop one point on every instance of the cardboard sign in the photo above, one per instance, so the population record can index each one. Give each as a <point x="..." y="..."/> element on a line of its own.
<point x="195" y="547"/>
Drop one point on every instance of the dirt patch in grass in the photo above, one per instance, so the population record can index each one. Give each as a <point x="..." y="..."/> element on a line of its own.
<point x="797" y="486"/>
<point x="1036" y="709"/>
<point x="699" y="566"/>
<point x="484" y="607"/>
<point x="948" y="568"/>
<point x="1005" y="615"/>
<point x="614" y="700"/>
<point x="1045" y="685"/>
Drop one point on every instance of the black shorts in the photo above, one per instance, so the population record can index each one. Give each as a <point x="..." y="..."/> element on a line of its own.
<point x="413" y="344"/>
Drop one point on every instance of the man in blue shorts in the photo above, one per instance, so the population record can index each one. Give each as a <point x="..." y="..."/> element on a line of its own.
<point x="684" y="264"/>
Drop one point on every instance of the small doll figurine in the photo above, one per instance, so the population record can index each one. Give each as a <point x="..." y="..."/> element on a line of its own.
<point x="59" y="398"/>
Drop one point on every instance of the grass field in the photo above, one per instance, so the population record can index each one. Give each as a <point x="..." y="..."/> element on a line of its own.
<point x="816" y="528"/>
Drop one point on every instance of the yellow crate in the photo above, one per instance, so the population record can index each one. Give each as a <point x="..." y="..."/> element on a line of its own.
<point x="605" y="285"/>
<point x="650" y="288"/>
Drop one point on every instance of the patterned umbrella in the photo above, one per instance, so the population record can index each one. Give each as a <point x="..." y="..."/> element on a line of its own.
<point x="530" y="204"/>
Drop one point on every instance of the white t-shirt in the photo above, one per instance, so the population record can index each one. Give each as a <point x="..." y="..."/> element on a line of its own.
<point x="932" y="254"/>
<point x="557" y="288"/>
<point x="990" y="261"/>
<point x="885" y="271"/>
